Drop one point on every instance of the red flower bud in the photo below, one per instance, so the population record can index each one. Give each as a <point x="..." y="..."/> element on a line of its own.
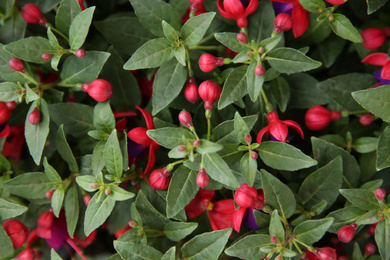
<point x="47" y="56"/>
<point x="49" y="194"/>
<point x="196" y="143"/>
<point x="366" y="120"/>
<point x="274" y="240"/>
<point x="185" y="118"/>
<point x="325" y="253"/>
<point x="160" y="179"/>
<point x="86" y="199"/>
<point x="35" y="117"/>
<point x="107" y="191"/>
<point x="208" y="62"/>
<point x="241" y="37"/>
<point x="203" y="179"/>
<point x="27" y="254"/>
<point x="318" y="117"/>
<point x="133" y="224"/>
<point x="259" y="70"/>
<point x="85" y="87"/>
<point x="254" y="155"/>
<point x="248" y="139"/>
<point x="247" y="197"/>
<point x="17" y="65"/>
<point x="17" y="232"/>
<point x="370" y="249"/>
<point x="336" y="2"/>
<point x="196" y="2"/>
<point x="45" y="221"/>
<point x="80" y="53"/>
<point x="373" y="38"/>
<point x="210" y="92"/>
<point x="11" y="105"/>
<point x="380" y="194"/>
<point x="346" y="233"/>
<point x="283" y="22"/>
<point x="5" y="113"/>
<point x="100" y="90"/>
<point x="32" y="14"/>
<point x="191" y="91"/>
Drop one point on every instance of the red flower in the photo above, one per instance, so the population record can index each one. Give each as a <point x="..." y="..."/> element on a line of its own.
<point x="32" y="14"/>
<point x="318" y="117"/>
<point x="198" y="8"/>
<point x="15" y="141"/>
<point x="379" y="59"/>
<point x="234" y="9"/>
<point x="99" y="89"/>
<point x="160" y="179"/>
<point x="277" y="128"/>
<point x="374" y="38"/>
<point x="5" y="113"/>
<point x="208" y="62"/>
<point x="35" y="117"/>
<point x="366" y="120"/>
<point x="325" y="253"/>
<point x="191" y="91"/>
<point x="283" y="22"/>
<point x="17" y="232"/>
<point x="336" y="2"/>
<point x="210" y="92"/>
<point x="300" y="17"/>
<point x="346" y="233"/>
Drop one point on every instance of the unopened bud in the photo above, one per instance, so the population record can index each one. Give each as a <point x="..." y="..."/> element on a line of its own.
<point x="191" y="91"/>
<point x="366" y="120"/>
<point x="259" y="70"/>
<point x="100" y="90"/>
<point x="49" y="194"/>
<point x="380" y="194"/>
<point x="202" y="179"/>
<point x="95" y="186"/>
<point x="107" y="191"/>
<point x="283" y="22"/>
<point x="80" y="53"/>
<point x="274" y="240"/>
<point x="185" y="118"/>
<point x="35" y="117"/>
<point x="248" y="139"/>
<point x="331" y="18"/>
<point x="17" y="65"/>
<point x="370" y="249"/>
<point x="196" y="143"/>
<point x="254" y="155"/>
<point x="32" y="14"/>
<point x="160" y="179"/>
<point x="133" y="224"/>
<point x="11" y="105"/>
<point x="241" y="37"/>
<point x="47" y="56"/>
<point x="85" y="87"/>
<point x="208" y="62"/>
<point x="182" y="148"/>
<point x="86" y="199"/>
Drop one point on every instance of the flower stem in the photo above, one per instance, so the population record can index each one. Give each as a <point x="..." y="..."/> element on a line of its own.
<point x="190" y="72"/>
<point x="347" y="113"/>
<point x="268" y="106"/>
<point x="205" y="48"/>
<point x="57" y="31"/>
<point x="208" y="128"/>
<point x="76" y="248"/>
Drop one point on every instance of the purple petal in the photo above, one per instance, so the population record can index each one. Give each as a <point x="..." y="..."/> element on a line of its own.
<point x="377" y="75"/>
<point x="59" y="233"/>
<point x="249" y="219"/>
<point x="244" y="3"/>
<point x="282" y="8"/>
<point x="136" y="150"/>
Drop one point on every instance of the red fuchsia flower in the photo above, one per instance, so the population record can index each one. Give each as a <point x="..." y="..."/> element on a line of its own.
<point x="200" y="9"/>
<point x="374" y="38"/>
<point x="283" y="23"/>
<point x="5" y="113"/>
<point x="32" y="14"/>
<point x="325" y="253"/>
<point x="81" y="3"/>
<point x="220" y="213"/>
<point x="346" y="233"/>
<point x="17" y="65"/>
<point x="120" y="232"/>
<point x="300" y="17"/>
<point x="309" y="255"/>
<point x="160" y="179"/>
<point x="210" y="92"/>
<point x="202" y="179"/>
<point x="86" y="199"/>
<point x="17" y="232"/>
<point x="380" y="194"/>
<point x="235" y="9"/>
<point x="379" y="59"/>
<point x="318" y="117"/>
<point x="27" y="254"/>
<point x="366" y="120"/>
<point x="277" y="129"/>
<point x="191" y="91"/>
<point x="230" y="52"/>
<point x="208" y="62"/>
<point x="146" y="87"/>
<point x="15" y="141"/>
<point x="99" y="89"/>
<point x="35" y="117"/>
<point x="336" y="2"/>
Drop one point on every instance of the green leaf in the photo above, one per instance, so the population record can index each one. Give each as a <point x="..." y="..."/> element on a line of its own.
<point x="83" y="70"/>
<point x="10" y="91"/>
<point x="345" y="216"/>
<point x="180" y="54"/>
<point x="248" y="168"/>
<point x="312" y="5"/>
<point x="311" y="231"/>
<point x="6" y="248"/>
<point x="170" y="137"/>
<point x="234" y="88"/>
<point x="376" y="100"/>
<point x="97" y="212"/>
<point x="79" y="28"/>
<point x="169" y="32"/>
<point x="170" y="254"/>
<point x="6" y="7"/>
<point x="52" y="38"/>
<point x="151" y="217"/>
<point x="132" y="251"/>
<point x="281" y="92"/>
<point x="365" y="144"/>
<point x="176" y="231"/>
<point x="225" y="134"/>
<point x="261" y="22"/>
<point x="282" y="156"/>
<point x="208" y="245"/>
<point x="328" y="51"/>
<point x="113" y="156"/>
<point x="219" y="171"/>
<point x="168" y="83"/>
<point x="270" y="43"/>
<point x="369" y="218"/>
<point x="151" y="13"/>
<point x="66" y="12"/>
<point x="86" y="182"/>
<point x="254" y="82"/>
<point x="383" y="150"/>
<point x="363" y="199"/>
<point x="54" y="255"/>
<point x="208" y="147"/>
<point x="120" y="194"/>
<point x="103" y="117"/>
<point x="195" y="28"/>
<point x="276" y="228"/>
<point x="72" y="209"/>
<point x="288" y="60"/>
<point x="357" y="254"/>
<point x="10" y="209"/>
<point x="36" y="134"/>
<point x="230" y="40"/>
<point x="55" y="61"/>
<point x="382" y="238"/>
<point x="76" y="118"/>
<point x="30" y="49"/>
<point x="32" y="185"/>
<point x="182" y="189"/>
<point x="97" y="158"/>
<point x="240" y="128"/>
<point x="374" y="5"/>
<point x="30" y="95"/>
<point x="13" y="29"/>
<point x="51" y="173"/>
<point x="277" y="194"/>
<point x="249" y="247"/>
<point x="57" y="200"/>
<point x="65" y="151"/>
<point x="322" y="185"/>
<point x="6" y="72"/>
<point x="343" y="27"/>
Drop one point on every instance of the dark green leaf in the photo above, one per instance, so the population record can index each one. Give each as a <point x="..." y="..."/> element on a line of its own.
<point x="219" y="171"/>
<point x="6" y="248"/>
<point x="170" y="137"/>
<point x="225" y="134"/>
<point x="170" y="254"/>
<point x="382" y="238"/>
<point x="103" y="117"/>
<point x="249" y="247"/>
<point x="248" y="168"/>
<point x="176" y="231"/>
<point x="13" y="29"/>
<point x="169" y="32"/>
<point x="312" y="5"/>
<point x="254" y="82"/>
<point x="345" y="216"/>
<point x="383" y="150"/>
<point x="151" y="217"/>
<point x="365" y="144"/>
<point x="328" y="51"/>
<point x="64" y="150"/>
<point x="79" y="28"/>
<point x="311" y="231"/>
<point x="208" y="147"/>
<point x="72" y="209"/>
<point x="10" y="91"/>
<point x="66" y="12"/>
<point x="261" y="23"/>
<point x="240" y="128"/>
<point x="343" y="27"/>
<point x="10" y="209"/>
<point x="132" y="251"/>
<point x="357" y="254"/>
<point x="195" y="28"/>
<point x="57" y="200"/>
<point x="374" y="5"/>
<point x="51" y="173"/>
<point x="113" y="156"/>
<point x="281" y="92"/>
<point x="97" y="158"/>
<point x="30" y="49"/>
<point x="363" y="199"/>
<point x="276" y="228"/>
<point x="369" y="218"/>
<point x="234" y="88"/>
<point x="52" y="38"/>
<point x="230" y="40"/>
<point x="120" y="194"/>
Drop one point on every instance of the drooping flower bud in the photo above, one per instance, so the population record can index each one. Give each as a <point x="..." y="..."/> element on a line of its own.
<point x="208" y="62"/>
<point x="17" y="65"/>
<point x="49" y="194"/>
<point x="366" y="120"/>
<point x="259" y="70"/>
<point x="45" y="221"/>
<point x="17" y="232"/>
<point x="5" y="113"/>
<point x="185" y="118"/>
<point x="346" y="233"/>
<point x="373" y="38"/>
<point x="35" y="117"/>
<point x="202" y="179"/>
<point x="86" y="199"/>
<point x="241" y="37"/>
<point x="283" y="22"/>
<point x="47" y="56"/>
<point x="32" y="14"/>
<point x="27" y="254"/>
<point x="210" y="92"/>
<point x="248" y="139"/>
<point x="370" y="249"/>
<point x="318" y="117"/>
<point x="247" y="197"/>
<point x="160" y="179"/>
<point x="99" y="89"/>
<point x="325" y="253"/>
<point x="80" y="53"/>
<point x="191" y="91"/>
<point x="196" y="143"/>
<point x="11" y="105"/>
<point x="380" y="194"/>
<point x="107" y="191"/>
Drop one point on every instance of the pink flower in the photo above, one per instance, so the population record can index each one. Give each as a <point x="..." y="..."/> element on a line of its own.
<point x="160" y="179"/>
<point x="234" y="9"/>
<point x="379" y="59"/>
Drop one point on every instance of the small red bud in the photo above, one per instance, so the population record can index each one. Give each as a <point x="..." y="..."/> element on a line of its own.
<point x="370" y="249"/>
<point x="191" y="91"/>
<point x="107" y="191"/>
<point x="100" y="90"/>
<point x="196" y="143"/>
<point x="47" y="56"/>
<point x="380" y="194"/>
<point x="261" y="50"/>
<point x="11" y="105"/>
<point x="248" y="139"/>
<point x="346" y="233"/>
<point x="325" y="253"/>
<point x="331" y="18"/>
<point x="182" y="148"/>
<point x="86" y="199"/>
<point x="210" y="92"/>
<point x="241" y="37"/>
<point x="185" y="118"/>
<point x="373" y="38"/>
<point x="274" y="240"/>
<point x="95" y="186"/>
<point x="5" y="113"/>
<point x="371" y="229"/>
<point x="259" y="70"/>
<point x="283" y="22"/>
<point x="27" y="254"/>
<point x="32" y="14"/>
<point x="254" y="155"/>
<point x="85" y="87"/>
<point x="133" y="224"/>
<point x="80" y="53"/>
<point x="160" y="179"/>
<point x="17" y="65"/>
<point x="366" y="120"/>
<point x="208" y="62"/>
<point x="247" y="197"/>
<point x="318" y="117"/>
<point x="17" y="232"/>
<point x="35" y="117"/>
<point x="49" y="194"/>
<point x="202" y="179"/>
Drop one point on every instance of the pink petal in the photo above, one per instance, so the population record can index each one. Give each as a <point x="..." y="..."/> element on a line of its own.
<point x="253" y="4"/>
<point x="222" y="11"/>
<point x="237" y="219"/>
<point x="148" y="118"/>
<point x="300" y="20"/>
<point x="386" y="71"/>
<point x="261" y="133"/>
<point x="295" y="126"/>
<point x="278" y="130"/>
<point x="378" y="59"/>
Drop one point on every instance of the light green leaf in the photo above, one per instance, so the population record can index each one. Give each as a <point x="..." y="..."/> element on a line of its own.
<point x="10" y="209"/>
<point x="170" y="137"/>
<point x="66" y="12"/>
<point x="219" y="171"/>
<point x="57" y="200"/>
<point x="343" y="27"/>
<point x="382" y="238"/>
<point x="383" y="150"/>
<point x="230" y="40"/>
<point x="72" y="209"/>
<point x="132" y="251"/>
<point x="79" y="28"/>
<point x="234" y="88"/>
<point x="249" y="247"/>
<point x="103" y="117"/>
<point x="176" y="231"/>
<point x="195" y="28"/>
<point x="254" y="82"/>
<point x="113" y="156"/>
<point x="120" y="194"/>
<point x="64" y="150"/>
<point x="10" y="91"/>
<point x="6" y="248"/>
<point x="311" y="231"/>
<point x="30" y="49"/>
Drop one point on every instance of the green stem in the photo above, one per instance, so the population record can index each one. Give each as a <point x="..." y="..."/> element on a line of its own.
<point x="57" y="31"/>
<point x="128" y="177"/>
<point x="192" y="129"/>
<point x="30" y="78"/>
<point x="208" y="128"/>
<point x="347" y="113"/>
<point x="190" y="72"/>
<point x="268" y="106"/>
<point x="205" y="48"/>
<point x="68" y="85"/>
<point x="297" y="247"/>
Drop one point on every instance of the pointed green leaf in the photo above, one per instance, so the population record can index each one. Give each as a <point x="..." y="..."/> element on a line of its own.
<point x="50" y="172"/>
<point x="312" y="5"/>
<point x="30" y="49"/>
<point x="151" y="217"/>
<point x="225" y="134"/>
<point x="249" y="247"/>
<point x="30" y="95"/>
<point x="276" y="228"/>
<point x="10" y="91"/>
<point x="248" y="168"/>
<point x="66" y="12"/>
<point x="57" y="200"/>
<point x="113" y="156"/>
<point x="230" y="40"/>
<point x="10" y="209"/>
<point x="170" y="137"/>
<point x="180" y="54"/>
<point x="64" y="150"/>
<point x="383" y="150"/>
<point x="176" y="231"/>
<point x="382" y="238"/>
<point x="195" y="28"/>
<point x="363" y="199"/>
<point x="374" y="5"/>
<point x="169" y="32"/>
<point x="219" y="171"/>
<point x="261" y="22"/>
<point x="120" y="194"/>
<point x="98" y="158"/>
<point x="132" y="251"/>
<point x="311" y="231"/>
<point x="234" y="88"/>
<point x="343" y="27"/>
<point x="79" y="28"/>
<point x="365" y="144"/>
<point x="103" y="117"/>
<point x="254" y="82"/>
<point x="281" y="92"/>
<point x="52" y="38"/>
<point x="54" y="255"/>
<point x="72" y="209"/>
<point x="170" y="254"/>
<point x="6" y="248"/>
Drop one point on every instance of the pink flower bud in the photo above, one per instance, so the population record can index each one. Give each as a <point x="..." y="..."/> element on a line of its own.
<point x="11" y="105"/>
<point x="254" y="155"/>
<point x="17" y="65"/>
<point x="35" y="117"/>
<point x="373" y="38"/>
<point x="5" y="113"/>
<point x="380" y="194"/>
<point x="318" y="117"/>
<point x="185" y="118"/>
<point x="182" y="148"/>
<point x="208" y="62"/>
<point x="196" y="143"/>
<point x="274" y="240"/>
<point x="346" y="233"/>
<point x="241" y="37"/>
<point x="80" y="53"/>
<point x="325" y="253"/>
<point x="202" y="179"/>
<point x="248" y="139"/>
<point x="247" y="197"/>
<point x="259" y="70"/>
<point x="47" y="56"/>
<point x="107" y="191"/>
<point x="370" y="249"/>
<point x="100" y="90"/>
<point x="191" y="91"/>
<point x="210" y="92"/>
<point x="366" y="120"/>
<point x="85" y="87"/>
<point x="32" y="14"/>
<point x="283" y="23"/>
<point x="133" y="224"/>
<point x="49" y="194"/>
<point x="27" y="254"/>
<point x="86" y="199"/>
<point x="160" y="179"/>
<point x="17" y="232"/>
<point x="95" y="186"/>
